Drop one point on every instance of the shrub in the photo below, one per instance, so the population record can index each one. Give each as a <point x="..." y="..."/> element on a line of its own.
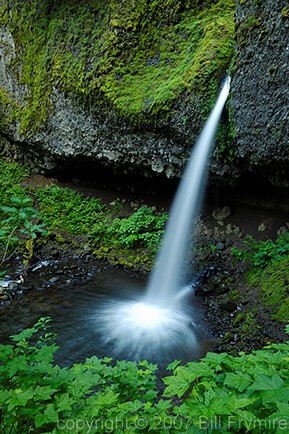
<point x="262" y="253"/>
<point x="144" y="228"/>
<point x="221" y="393"/>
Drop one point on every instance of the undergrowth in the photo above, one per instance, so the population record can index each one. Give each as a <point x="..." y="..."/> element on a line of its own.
<point x="131" y="241"/>
<point x="221" y="393"/>
<point x="269" y="272"/>
<point x="262" y="253"/>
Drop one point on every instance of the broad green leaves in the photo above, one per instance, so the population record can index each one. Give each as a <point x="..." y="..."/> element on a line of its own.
<point x="220" y="393"/>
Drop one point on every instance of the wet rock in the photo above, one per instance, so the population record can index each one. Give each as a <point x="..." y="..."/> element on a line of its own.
<point x="283" y="230"/>
<point x="260" y="88"/>
<point x="228" y="306"/>
<point x="203" y="290"/>
<point x="53" y="279"/>
<point x="261" y="227"/>
<point x="233" y="230"/>
<point x="265" y="225"/>
<point x="220" y="246"/>
<point x="221" y="214"/>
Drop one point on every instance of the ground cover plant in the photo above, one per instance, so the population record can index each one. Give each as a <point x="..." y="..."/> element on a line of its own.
<point x="221" y="393"/>
<point x="269" y="272"/>
<point x="63" y="214"/>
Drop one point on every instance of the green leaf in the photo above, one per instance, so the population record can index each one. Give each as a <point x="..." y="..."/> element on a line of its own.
<point x="9" y="209"/>
<point x="6" y="351"/>
<point x="263" y="382"/>
<point x="15" y="365"/>
<point x="20" y="397"/>
<point x="4" y="397"/>
<point x="236" y="403"/>
<point x="44" y="393"/>
<point x="64" y="402"/>
<point x="163" y="405"/>
<point x="276" y="396"/>
<point x="25" y="334"/>
<point x="237" y="381"/>
<point x="282" y="413"/>
<point x="216" y="359"/>
<point x="49" y="415"/>
<point x="246" y="416"/>
<point x="40" y="419"/>
<point x="107" y="399"/>
<point x="172" y="366"/>
<point x="179" y="383"/>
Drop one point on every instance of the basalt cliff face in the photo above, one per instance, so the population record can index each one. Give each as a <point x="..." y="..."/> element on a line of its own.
<point x="260" y="88"/>
<point x="129" y="85"/>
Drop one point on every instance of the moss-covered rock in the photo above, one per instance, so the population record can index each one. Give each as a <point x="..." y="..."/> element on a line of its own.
<point x="127" y="82"/>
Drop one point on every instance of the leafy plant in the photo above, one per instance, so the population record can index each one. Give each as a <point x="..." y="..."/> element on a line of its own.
<point x="22" y="219"/>
<point x="144" y="228"/>
<point x="221" y="393"/>
<point x="64" y="209"/>
<point x="37" y="396"/>
<point x="261" y="253"/>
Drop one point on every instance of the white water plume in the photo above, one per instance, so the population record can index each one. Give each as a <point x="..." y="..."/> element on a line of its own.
<point x="137" y="330"/>
<point x="159" y="322"/>
<point x="165" y="281"/>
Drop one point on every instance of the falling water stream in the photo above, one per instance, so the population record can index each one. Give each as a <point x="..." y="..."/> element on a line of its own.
<point x="161" y="321"/>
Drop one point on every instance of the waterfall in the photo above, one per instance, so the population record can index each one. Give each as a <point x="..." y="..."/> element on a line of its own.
<point x="159" y="326"/>
<point x="165" y="281"/>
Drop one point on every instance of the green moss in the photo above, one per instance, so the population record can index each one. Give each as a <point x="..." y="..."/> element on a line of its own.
<point x="234" y="295"/>
<point x="140" y="259"/>
<point x="11" y="176"/>
<point x="274" y="289"/>
<point x="135" y="58"/>
<point x="285" y="12"/>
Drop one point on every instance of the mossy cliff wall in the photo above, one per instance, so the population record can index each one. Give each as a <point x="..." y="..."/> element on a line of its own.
<point x="260" y="89"/>
<point x="129" y="84"/>
<point x="124" y="83"/>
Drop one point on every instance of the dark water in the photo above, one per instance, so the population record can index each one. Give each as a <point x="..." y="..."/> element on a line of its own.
<point x="72" y="293"/>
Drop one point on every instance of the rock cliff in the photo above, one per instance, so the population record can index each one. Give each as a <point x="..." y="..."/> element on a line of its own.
<point x="130" y="84"/>
<point x="122" y="84"/>
<point x="260" y="88"/>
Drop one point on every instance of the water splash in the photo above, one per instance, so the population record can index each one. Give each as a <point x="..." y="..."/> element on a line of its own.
<point x="136" y="330"/>
<point x="160" y="323"/>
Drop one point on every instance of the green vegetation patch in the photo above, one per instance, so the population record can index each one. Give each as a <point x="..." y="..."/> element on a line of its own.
<point x="11" y="176"/>
<point x="269" y="272"/>
<point x="221" y="393"/>
<point x="263" y="253"/>
<point x="273" y="283"/>
<point x="64" y="209"/>
<point x="135" y="57"/>
<point x="130" y="241"/>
